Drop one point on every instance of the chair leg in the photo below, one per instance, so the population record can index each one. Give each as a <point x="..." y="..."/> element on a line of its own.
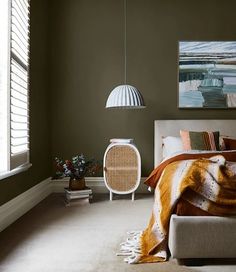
<point x="110" y="195"/>
<point x="133" y="196"/>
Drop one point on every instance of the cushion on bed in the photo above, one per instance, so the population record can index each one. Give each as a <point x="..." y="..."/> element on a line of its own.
<point x="171" y="145"/>
<point x="200" y="140"/>
<point x="229" y="144"/>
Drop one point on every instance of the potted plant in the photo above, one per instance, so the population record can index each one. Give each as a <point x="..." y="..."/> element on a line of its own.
<point x="76" y="168"/>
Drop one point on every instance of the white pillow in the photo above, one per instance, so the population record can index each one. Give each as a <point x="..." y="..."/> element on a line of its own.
<point x="171" y="145"/>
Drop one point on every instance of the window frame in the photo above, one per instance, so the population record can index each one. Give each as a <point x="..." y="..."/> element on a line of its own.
<point x="10" y="171"/>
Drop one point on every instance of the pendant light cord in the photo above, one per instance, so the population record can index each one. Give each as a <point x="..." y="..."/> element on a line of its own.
<point x="125" y="39"/>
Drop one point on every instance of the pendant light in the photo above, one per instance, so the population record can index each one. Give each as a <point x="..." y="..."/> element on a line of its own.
<point x="125" y="96"/>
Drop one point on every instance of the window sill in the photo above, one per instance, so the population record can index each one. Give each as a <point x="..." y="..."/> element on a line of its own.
<point x="13" y="172"/>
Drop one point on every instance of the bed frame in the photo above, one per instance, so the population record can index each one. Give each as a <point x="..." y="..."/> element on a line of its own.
<point x="198" y="236"/>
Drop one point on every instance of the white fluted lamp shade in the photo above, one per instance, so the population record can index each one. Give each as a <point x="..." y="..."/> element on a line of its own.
<point x="125" y="96"/>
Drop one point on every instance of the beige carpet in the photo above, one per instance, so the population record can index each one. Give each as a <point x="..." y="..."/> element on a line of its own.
<point x="84" y="238"/>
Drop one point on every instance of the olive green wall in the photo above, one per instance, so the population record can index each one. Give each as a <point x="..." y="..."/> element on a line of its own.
<point x="39" y="105"/>
<point x="87" y="62"/>
<point x="77" y="58"/>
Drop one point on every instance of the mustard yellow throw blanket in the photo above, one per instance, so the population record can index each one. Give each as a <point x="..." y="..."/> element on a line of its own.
<point x="209" y="184"/>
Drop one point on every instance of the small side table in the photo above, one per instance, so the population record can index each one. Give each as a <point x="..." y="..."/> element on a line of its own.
<point x="122" y="167"/>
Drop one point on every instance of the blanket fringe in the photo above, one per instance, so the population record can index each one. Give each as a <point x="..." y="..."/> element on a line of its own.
<point x="131" y="247"/>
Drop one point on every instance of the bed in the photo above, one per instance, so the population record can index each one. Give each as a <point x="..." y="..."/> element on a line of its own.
<point x="197" y="236"/>
<point x="203" y="181"/>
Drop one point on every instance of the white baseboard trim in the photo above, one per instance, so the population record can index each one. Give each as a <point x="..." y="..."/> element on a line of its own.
<point x="15" y="208"/>
<point x="95" y="183"/>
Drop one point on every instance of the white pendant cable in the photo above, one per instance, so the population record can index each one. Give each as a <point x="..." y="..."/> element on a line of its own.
<point x="125" y="96"/>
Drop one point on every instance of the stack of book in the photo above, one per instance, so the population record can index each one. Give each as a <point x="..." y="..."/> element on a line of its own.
<point x="74" y="197"/>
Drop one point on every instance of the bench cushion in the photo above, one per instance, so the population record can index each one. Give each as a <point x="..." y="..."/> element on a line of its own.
<point x="202" y="237"/>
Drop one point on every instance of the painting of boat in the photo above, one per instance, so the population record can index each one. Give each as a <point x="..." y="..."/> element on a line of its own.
<point x="207" y="75"/>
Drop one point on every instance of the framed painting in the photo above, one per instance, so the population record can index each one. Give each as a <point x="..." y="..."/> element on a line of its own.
<point x="207" y="75"/>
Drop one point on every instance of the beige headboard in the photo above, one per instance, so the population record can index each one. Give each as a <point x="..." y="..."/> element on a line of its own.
<point x="172" y="128"/>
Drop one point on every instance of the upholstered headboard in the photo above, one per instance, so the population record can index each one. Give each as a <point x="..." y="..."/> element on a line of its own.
<point x="165" y="128"/>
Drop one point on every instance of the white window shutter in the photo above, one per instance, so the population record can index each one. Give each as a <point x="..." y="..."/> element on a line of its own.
<point x="19" y="83"/>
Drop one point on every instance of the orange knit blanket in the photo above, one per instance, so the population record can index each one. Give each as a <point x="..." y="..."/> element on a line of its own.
<point x="207" y="183"/>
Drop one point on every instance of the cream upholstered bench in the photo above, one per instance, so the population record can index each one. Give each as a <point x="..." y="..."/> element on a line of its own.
<point x="202" y="237"/>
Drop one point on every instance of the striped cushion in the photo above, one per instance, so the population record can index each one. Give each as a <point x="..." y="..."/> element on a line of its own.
<point x="204" y="140"/>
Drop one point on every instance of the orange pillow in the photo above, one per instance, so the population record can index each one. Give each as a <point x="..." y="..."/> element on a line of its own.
<point x="229" y="144"/>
